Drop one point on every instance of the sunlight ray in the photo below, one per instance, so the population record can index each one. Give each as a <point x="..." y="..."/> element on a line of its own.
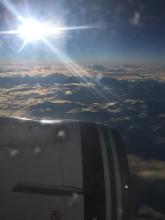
<point x="23" y="46"/>
<point x="10" y="32"/>
<point x="77" y="70"/>
<point x="9" y="6"/>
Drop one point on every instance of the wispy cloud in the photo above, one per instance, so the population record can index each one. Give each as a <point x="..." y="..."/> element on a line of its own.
<point x="135" y="20"/>
<point x="148" y="169"/>
<point x="150" y="213"/>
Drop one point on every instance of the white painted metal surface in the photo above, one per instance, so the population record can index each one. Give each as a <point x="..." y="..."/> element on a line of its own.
<point x="45" y="166"/>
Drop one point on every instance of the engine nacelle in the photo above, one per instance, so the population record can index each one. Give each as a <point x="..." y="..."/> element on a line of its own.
<point x="69" y="170"/>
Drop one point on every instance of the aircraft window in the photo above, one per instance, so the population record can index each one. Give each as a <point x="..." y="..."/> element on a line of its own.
<point x="99" y="61"/>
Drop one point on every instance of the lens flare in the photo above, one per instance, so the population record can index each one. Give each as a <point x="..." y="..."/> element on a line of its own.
<point x="32" y="30"/>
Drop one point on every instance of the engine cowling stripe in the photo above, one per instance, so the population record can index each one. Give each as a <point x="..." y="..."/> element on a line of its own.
<point x="107" y="136"/>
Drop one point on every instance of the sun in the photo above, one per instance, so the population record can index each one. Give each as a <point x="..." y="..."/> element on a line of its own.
<point x="32" y="30"/>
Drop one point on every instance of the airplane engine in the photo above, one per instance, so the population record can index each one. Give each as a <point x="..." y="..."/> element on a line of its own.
<point x="62" y="170"/>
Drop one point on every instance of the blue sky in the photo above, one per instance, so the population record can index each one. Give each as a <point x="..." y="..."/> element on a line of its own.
<point x="129" y="30"/>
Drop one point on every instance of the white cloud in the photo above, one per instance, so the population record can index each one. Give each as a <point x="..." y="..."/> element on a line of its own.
<point x="135" y="20"/>
<point x="68" y="92"/>
<point x="150" y="213"/>
<point x="148" y="169"/>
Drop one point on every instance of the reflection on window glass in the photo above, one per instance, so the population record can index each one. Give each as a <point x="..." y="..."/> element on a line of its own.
<point x="98" y="61"/>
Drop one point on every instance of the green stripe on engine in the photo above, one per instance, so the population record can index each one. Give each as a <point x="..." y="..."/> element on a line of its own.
<point x="107" y="135"/>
